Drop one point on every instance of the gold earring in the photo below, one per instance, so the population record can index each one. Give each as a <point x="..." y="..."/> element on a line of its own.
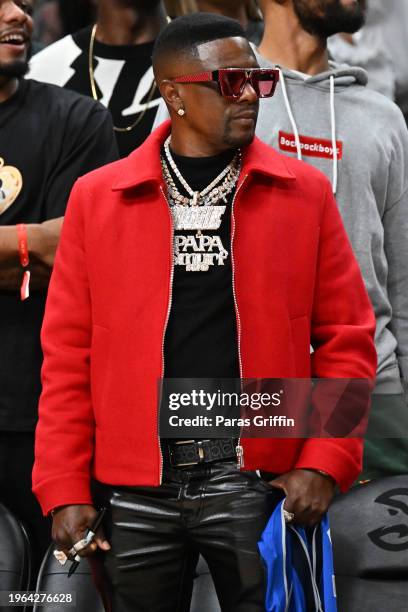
<point x="181" y="112"/>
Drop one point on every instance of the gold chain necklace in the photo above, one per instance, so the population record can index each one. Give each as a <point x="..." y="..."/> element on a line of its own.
<point x="129" y="128"/>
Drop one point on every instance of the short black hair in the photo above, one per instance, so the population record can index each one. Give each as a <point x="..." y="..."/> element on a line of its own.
<point x="182" y="35"/>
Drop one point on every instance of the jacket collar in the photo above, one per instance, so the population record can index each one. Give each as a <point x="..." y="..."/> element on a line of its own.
<point x="143" y="165"/>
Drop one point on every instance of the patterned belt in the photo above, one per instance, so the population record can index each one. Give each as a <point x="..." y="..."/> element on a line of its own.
<point x="186" y="453"/>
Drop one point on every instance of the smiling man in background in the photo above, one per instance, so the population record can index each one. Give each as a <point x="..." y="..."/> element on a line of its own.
<point x="324" y="114"/>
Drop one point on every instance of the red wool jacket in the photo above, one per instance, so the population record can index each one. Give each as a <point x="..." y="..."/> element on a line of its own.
<point x="296" y="282"/>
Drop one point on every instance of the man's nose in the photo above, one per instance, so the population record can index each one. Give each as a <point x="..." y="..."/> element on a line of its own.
<point x="13" y="13"/>
<point x="249" y="94"/>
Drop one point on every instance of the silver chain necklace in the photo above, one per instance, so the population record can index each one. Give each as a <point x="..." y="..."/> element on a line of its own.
<point x="208" y="196"/>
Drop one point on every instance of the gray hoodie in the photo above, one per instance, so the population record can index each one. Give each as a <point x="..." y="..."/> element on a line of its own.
<point x="370" y="180"/>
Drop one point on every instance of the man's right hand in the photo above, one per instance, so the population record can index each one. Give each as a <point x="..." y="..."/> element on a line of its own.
<point x="70" y="524"/>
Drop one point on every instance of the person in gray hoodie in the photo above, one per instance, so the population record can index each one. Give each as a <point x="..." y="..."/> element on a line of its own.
<point x="323" y="113"/>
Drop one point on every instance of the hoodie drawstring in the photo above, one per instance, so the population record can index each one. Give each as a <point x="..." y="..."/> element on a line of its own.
<point x="290" y="114"/>
<point x="296" y="131"/>
<point x="334" y="141"/>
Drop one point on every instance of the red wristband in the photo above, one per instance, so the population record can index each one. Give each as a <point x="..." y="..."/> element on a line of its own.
<point x="22" y="244"/>
<point x="24" y="259"/>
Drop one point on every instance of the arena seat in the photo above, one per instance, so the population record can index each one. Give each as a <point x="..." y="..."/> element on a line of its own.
<point x="15" y="565"/>
<point x="52" y="578"/>
<point x="204" y="597"/>
<point x="369" y="528"/>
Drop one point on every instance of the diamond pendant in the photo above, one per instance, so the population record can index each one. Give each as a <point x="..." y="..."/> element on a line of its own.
<point x="194" y="201"/>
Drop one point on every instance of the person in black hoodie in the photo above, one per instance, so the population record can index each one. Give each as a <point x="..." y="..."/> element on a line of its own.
<point x="48" y="138"/>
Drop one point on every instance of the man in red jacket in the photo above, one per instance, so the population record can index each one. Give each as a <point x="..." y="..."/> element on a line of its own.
<point x="204" y="254"/>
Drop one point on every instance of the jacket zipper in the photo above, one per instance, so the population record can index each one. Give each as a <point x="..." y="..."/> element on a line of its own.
<point x="167" y="320"/>
<point x="239" y="449"/>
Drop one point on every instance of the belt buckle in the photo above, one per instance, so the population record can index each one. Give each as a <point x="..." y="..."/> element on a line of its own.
<point x="200" y="453"/>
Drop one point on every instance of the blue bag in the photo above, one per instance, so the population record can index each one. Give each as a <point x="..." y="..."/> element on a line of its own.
<point x="299" y="566"/>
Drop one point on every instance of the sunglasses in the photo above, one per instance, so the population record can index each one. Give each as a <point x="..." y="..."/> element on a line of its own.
<point x="232" y="81"/>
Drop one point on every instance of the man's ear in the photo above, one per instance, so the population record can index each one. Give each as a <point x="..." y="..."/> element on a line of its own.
<point x="171" y="95"/>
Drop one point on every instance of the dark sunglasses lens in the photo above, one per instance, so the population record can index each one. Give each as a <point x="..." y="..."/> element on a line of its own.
<point x="264" y="84"/>
<point x="232" y="82"/>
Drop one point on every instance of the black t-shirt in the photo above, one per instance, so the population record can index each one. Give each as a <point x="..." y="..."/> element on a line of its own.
<point x="201" y="337"/>
<point x="48" y="138"/>
<point x="123" y="76"/>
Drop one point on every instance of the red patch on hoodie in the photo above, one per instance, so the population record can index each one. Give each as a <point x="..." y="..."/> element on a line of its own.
<point x="311" y="147"/>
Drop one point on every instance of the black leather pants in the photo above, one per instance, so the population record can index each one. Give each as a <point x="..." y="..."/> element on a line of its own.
<point x="155" y="532"/>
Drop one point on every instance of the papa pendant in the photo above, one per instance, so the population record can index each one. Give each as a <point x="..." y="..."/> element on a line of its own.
<point x="199" y="253"/>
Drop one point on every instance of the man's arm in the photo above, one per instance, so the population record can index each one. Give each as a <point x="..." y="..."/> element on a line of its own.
<point x="42" y="240"/>
<point x="396" y="248"/>
<point x="67" y="332"/>
<point x="395" y="222"/>
<point x="342" y="334"/>
<point x="62" y="472"/>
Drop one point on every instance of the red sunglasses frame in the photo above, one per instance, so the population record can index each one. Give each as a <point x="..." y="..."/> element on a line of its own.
<point x="217" y="76"/>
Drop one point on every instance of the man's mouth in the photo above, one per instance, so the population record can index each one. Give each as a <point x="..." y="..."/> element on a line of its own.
<point x="247" y="115"/>
<point x="246" y="118"/>
<point x="15" y="39"/>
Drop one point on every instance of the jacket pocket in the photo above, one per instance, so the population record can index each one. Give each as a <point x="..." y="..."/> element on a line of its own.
<point x="301" y="345"/>
<point x="99" y="366"/>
